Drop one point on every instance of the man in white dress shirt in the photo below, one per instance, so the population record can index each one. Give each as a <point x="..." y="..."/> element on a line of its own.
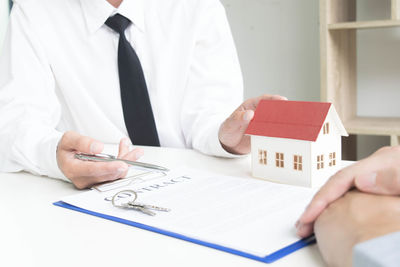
<point x="60" y="85"/>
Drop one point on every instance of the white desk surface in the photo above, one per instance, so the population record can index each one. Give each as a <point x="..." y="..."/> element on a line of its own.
<point x="34" y="232"/>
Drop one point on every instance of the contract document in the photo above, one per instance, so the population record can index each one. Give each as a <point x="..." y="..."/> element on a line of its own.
<point x="244" y="216"/>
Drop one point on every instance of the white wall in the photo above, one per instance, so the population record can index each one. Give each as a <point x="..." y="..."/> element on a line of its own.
<point x="3" y="20"/>
<point x="278" y="45"/>
<point x="378" y="63"/>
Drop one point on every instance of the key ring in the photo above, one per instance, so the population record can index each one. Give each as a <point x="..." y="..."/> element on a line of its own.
<point x="130" y="193"/>
<point x="131" y="204"/>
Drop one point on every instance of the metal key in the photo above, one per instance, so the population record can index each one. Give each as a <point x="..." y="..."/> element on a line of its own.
<point x="140" y="208"/>
<point x="152" y="207"/>
<point x="132" y="204"/>
<point x="146" y="208"/>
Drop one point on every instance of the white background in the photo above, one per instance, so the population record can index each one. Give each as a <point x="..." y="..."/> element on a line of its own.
<point x="278" y="46"/>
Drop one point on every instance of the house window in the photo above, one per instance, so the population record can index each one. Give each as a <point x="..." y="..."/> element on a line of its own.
<point x="279" y="160"/>
<point x="326" y="128"/>
<point x="298" y="162"/>
<point x="332" y="159"/>
<point x="262" y="157"/>
<point x="320" y="162"/>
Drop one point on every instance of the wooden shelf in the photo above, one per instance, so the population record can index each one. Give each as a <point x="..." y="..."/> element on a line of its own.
<point x="338" y="43"/>
<point x="364" y="25"/>
<point x="373" y="126"/>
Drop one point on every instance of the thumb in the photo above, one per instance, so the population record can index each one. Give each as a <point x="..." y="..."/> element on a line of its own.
<point x="73" y="141"/>
<point x="233" y="129"/>
<point x="240" y="118"/>
<point x="383" y="183"/>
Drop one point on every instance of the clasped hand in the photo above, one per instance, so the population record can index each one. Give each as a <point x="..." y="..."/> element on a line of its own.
<point x="377" y="174"/>
<point x="342" y="218"/>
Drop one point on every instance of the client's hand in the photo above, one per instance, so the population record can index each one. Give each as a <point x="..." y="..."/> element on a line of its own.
<point x="377" y="174"/>
<point x="84" y="174"/>
<point x="354" y="218"/>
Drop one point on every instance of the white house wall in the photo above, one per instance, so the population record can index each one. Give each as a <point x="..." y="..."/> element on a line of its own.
<point x="325" y="144"/>
<point x="289" y="147"/>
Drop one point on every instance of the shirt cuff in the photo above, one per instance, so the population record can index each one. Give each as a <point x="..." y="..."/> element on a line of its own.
<point x="378" y="252"/>
<point x="48" y="160"/>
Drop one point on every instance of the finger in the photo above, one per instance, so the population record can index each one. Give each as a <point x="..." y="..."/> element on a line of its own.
<point x="253" y="102"/>
<point x="380" y="162"/>
<point x="87" y="182"/>
<point x="239" y="119"/>
<point x="134" y="155"/>
<point x="382" y="174"/>
<point x="73" y="141"/>
<point x="274" y="97"/>
<point x="271" y="97"/>
<point x="242" y="116"/>
<point x="80" y="168"/>
<point x="233" y="129"/>
<point x="336" y="187"/>
<point x="124" y="146"/>
<point x="384" y="183"/>
<point x="305" y="230"/>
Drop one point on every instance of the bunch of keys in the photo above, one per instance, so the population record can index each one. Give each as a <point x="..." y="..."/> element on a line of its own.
<point x="131" y="196"/>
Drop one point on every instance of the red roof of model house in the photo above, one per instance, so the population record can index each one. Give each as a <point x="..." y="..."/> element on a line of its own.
<point x="292" y="119"/>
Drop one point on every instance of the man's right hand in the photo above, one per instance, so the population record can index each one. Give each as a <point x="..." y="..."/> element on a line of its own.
<point x="84" y="174"/>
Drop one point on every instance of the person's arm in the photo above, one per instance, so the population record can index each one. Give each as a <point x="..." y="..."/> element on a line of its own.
<point x="29" y="108"/>
<point x="377" y="174"/>
<point x="215" y="89"/>
<point x="30" y="112"/>
<point x="378" y="252"/>
<point x="215" y="85"/>
<point x="353" y="219"/>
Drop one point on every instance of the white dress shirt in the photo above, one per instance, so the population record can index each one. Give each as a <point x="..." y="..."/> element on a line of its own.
<point x="59" y="72"/>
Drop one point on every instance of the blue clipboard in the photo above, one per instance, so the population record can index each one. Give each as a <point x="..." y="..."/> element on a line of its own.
<point x="268" y="259"/>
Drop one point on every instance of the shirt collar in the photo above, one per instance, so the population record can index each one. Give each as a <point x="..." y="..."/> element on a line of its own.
<point x="96" y="12"/>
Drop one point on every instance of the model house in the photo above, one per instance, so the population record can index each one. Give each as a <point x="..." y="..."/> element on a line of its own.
<point x="295" y="142"/>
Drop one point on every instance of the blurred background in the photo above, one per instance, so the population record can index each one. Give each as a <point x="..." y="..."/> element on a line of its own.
<point x="278" y="47"/>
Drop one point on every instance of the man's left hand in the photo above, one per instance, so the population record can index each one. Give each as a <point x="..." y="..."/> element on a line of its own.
<point x="232" y="131"/>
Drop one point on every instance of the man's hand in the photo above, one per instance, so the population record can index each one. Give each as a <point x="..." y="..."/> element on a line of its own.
<point x="377" y="174"/>
<point x="84" y="174"/>
<point x="231" y="133"/>
<point x="352" y="219"/>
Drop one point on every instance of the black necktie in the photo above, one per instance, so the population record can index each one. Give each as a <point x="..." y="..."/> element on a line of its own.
<point x="138" y="114"/>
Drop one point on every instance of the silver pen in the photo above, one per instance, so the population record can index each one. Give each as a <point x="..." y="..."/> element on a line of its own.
<point x="107" y="158"/>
